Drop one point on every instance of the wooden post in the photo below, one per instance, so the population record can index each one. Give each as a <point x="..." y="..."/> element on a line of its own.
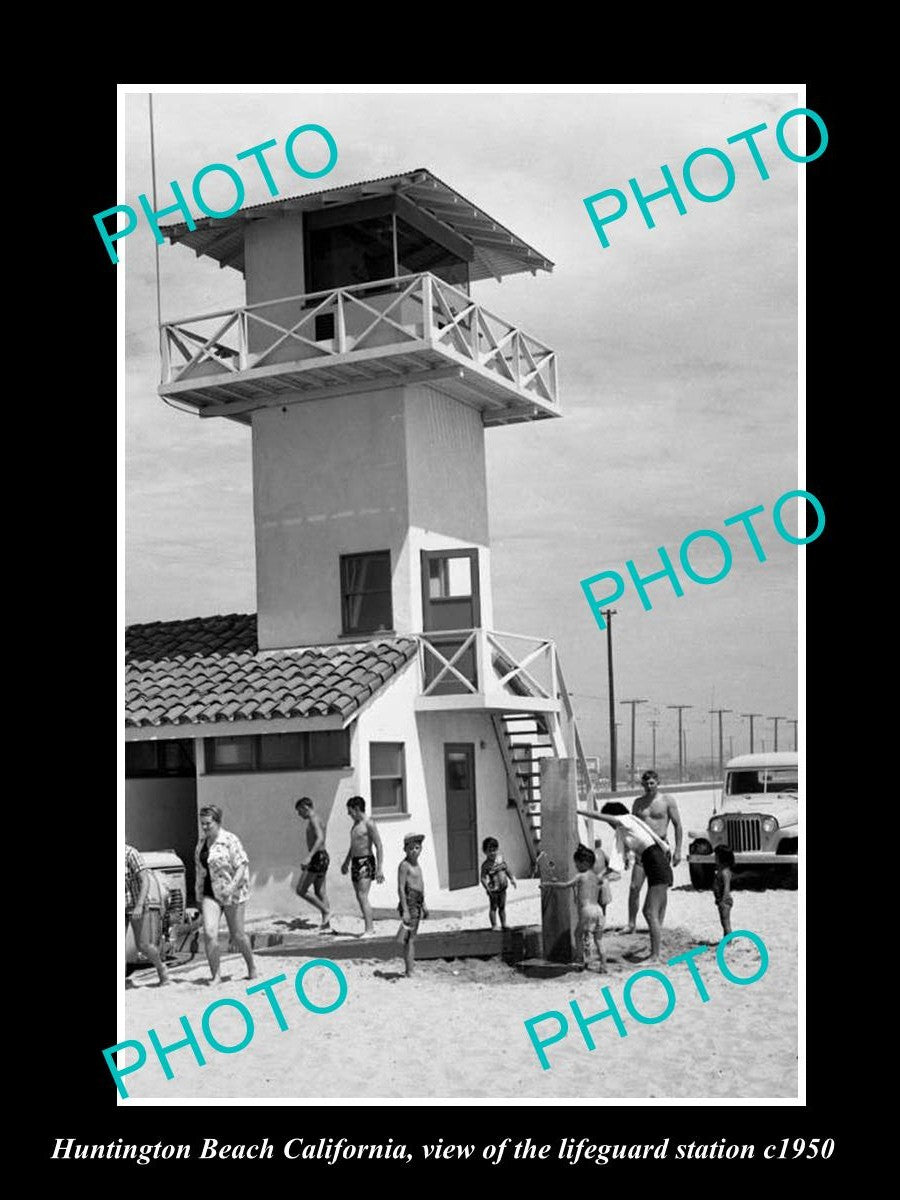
<point x="559" y="837"/>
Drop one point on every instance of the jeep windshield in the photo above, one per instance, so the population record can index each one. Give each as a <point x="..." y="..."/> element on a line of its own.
<point x="767" y="779"/>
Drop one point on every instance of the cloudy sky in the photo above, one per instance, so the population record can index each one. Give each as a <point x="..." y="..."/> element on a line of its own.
<point x="678" y="376"/>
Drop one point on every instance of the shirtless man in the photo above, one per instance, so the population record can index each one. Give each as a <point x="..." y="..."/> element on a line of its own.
<point x="656" y="809"/>
<point x="314" y="866"/>
<point x="366" y="866"/>
<point x="634" y="836"/>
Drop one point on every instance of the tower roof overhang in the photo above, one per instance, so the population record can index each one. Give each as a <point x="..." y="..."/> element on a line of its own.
<point x="496" y="251"/>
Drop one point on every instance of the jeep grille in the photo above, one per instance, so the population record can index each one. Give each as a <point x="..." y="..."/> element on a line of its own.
<point x="744" y="833"/>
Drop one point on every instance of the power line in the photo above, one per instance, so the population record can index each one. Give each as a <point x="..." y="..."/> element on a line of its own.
<point x="752" y="717"/>
<point x="634" y="704"/>
<point x="720" y="711"/>
<point x="609" y="613"/>
<point x="775" y="721"/>
<point x="680" y="708"/>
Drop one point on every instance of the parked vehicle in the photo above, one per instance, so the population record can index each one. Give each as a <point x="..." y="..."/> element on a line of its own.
<point x="757" y="819"/>
<point x="168" y="913"/>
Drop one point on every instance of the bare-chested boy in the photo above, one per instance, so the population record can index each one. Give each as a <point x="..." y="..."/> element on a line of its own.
<point x="411" y="888"/>
<point x="587" y="884"/>
<point x="364" y="865"/>
<point x="656" y="809"/>
<point x="314" y="866"/>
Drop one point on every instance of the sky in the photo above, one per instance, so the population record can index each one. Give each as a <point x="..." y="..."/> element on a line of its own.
<point x="677" y="350"/>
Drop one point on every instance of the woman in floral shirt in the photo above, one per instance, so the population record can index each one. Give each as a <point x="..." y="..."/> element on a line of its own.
<point x="222" y="885"/>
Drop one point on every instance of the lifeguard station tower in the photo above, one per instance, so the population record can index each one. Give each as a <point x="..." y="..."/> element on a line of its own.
<point x="368" y="373"/>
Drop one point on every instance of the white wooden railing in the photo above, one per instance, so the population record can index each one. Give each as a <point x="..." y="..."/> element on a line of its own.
<point x="530" y="669"/>
<point x="402" y="312"/>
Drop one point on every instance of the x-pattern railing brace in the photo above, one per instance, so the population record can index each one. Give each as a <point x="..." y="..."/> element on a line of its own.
<point x="448" y="663"/>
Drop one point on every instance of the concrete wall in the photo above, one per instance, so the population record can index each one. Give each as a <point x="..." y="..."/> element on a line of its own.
<point x="273" y="258"/>
<point x="400" y="469"/>
<point x="161" y="814"/>
<point x="329" y="478"/>
<point x="259" y="808"/>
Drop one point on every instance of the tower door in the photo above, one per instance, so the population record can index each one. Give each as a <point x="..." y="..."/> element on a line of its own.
<point x="462" y="832"/>
<point x="450" y="601"/>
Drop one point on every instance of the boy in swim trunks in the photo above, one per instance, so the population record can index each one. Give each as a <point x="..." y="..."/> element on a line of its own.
<point x="722" y="885"/>
<point x="315" y="862"/>
<point x="495" y="876"/>
<point x="587" y="884"/>
<point x="366" y="865"/>
<point x="411" y="887"/>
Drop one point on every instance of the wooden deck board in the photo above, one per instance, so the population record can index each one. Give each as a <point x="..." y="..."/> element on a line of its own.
<point x="512" y="945"/>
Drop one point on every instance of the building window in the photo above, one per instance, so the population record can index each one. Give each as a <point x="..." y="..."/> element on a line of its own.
<point x="161" y="758"/>
<point x="366" y="592"/>
<point x="387" y="775"/>
<point x="320" y="750"/>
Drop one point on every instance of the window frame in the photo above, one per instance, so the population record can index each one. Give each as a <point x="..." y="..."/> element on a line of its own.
<point x="344" y="559"/>
<point x="158" y="771"/>
<point x="256" y="764"/>
<point x="403" y="809"/>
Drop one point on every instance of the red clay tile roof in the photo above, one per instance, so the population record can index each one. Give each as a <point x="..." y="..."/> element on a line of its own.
<point x="209" y="669"/>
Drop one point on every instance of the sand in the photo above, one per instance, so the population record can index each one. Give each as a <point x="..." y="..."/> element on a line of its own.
<point x="457" y="1029"/>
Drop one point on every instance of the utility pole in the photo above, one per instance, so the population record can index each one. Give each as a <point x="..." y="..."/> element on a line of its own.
<point x="609" y="613"/>
<point x="775" y="721"/>
<point x="634" y="704"/>
<point x="720" y="711"/>
<point x="793" y="721"/>
<point x="684" y="738"/>
<point x="680" y="708"/>
<point x="653" y="725"/>
<point x="752" y="716"/>
<point x="731" y="745"/>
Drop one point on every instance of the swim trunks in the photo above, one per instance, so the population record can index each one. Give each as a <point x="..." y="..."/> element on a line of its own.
<point x="656" y="866"/>
<point x="495" y="876"/>
<point x="319" y="863"/>
<point x="415" y="902"/>
<point x="363" y="867"/>
<point x="591" y="918"/>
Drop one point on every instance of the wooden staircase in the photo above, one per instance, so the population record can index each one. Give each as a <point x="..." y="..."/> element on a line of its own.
<point x="525" y="739"/>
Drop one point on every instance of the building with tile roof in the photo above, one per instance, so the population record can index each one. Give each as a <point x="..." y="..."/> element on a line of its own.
<point x="367" y="374"/>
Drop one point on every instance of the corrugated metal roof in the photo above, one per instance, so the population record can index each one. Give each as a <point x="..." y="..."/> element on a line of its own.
<point x="498" y="251"/>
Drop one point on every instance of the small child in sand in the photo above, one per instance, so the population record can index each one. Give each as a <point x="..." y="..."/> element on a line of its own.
<point x="587" y="884"/>
<point x="411" y="886"/>
<point x="606" y="873"/>
<point x="495" y="876"/>
<point x="722" y="885"/>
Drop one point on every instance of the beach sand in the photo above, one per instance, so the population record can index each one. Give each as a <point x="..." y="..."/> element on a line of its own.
<point x="457" y="1029"/>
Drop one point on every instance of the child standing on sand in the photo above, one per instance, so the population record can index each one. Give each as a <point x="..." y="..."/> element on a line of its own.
<point x="587" y="885"/>
<point x="722" y="885"/>
<point x="495" y="876"/>
<point x="411" y="886"/>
